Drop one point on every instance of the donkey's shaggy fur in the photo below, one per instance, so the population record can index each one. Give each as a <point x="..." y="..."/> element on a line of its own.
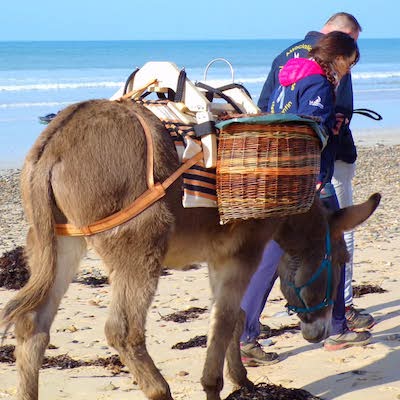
<point x="91" y="162"/>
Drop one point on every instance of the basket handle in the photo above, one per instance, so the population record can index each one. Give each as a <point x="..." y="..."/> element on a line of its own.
<point x="215" y="60"/>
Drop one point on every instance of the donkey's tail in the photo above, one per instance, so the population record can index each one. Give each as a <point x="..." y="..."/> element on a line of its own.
<point x="41" y="248"/>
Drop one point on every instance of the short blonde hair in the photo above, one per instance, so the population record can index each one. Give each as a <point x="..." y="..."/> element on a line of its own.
<point x="344" y="21"/>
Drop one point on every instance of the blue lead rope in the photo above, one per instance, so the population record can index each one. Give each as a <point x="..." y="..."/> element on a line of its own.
<point x="326" y="263"/>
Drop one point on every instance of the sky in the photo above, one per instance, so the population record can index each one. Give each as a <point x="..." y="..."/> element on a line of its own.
<point x="179" y="20"/>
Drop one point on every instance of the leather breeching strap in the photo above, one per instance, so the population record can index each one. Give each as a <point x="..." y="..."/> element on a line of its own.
<point x="154" y="192"/>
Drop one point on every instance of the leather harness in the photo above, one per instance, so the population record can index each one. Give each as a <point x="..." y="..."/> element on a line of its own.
<point x="154" y="192"/>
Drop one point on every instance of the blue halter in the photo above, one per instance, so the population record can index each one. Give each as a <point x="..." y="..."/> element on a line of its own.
<point x="326" y="263"/>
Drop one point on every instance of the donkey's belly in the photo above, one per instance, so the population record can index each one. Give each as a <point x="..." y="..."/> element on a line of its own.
<point x="181" y="255"/>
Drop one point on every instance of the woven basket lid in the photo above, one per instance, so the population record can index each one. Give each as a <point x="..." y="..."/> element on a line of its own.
<point x="272" y="119"/>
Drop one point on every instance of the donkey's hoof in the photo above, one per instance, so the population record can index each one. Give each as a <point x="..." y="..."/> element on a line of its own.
<point x="248" y="384"/>
<point x="213" y="396"/>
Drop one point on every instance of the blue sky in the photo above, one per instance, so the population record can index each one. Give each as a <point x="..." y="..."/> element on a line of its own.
<point x="204" y="19"/>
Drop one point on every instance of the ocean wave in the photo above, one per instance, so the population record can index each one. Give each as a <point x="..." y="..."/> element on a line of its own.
<point x="109" y="84"/>
<point x="37" y="104"/>
<point x="260" y="79"/>
<point x="376" y="75"/>
<point x="379" y="90"/>
<point x="57" y="86"/>
<point x="388" y="76"/>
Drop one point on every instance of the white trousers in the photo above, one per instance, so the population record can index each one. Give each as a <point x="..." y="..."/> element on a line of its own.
<point x="342" y="181"/>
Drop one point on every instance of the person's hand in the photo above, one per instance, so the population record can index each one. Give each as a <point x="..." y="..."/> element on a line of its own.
<point x="319" y="190"/>
<point x="340" y="119"/>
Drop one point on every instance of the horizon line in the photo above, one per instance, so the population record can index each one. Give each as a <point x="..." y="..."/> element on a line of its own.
<point x="171" y="40"/>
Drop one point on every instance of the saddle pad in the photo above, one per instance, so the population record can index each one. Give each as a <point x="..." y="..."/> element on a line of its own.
<point x="199" y="183"/>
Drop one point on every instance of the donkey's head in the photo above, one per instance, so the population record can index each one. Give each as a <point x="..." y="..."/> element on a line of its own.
<point x="315" y="252"/>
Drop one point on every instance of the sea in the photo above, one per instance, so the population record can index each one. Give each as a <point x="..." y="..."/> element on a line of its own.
<point x="39" y="78"/>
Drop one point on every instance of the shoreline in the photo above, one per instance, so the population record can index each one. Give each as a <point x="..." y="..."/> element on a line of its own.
<point x="366" y="137"/>
<point x="376" y="137"/>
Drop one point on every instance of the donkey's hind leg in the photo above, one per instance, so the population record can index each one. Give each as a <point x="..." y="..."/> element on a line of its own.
<point x="32" y="330"/>
<point x="135" y="264"/>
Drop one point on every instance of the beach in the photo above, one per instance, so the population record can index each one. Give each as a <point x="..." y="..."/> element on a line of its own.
<point x="359" y="373"/>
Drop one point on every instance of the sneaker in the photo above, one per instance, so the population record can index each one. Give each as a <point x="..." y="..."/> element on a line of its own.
<point x="357" y="321"/>
<point x="347" y="339"/>
<point x="253" y="355"/>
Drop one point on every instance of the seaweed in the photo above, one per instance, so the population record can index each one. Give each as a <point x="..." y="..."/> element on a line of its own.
<point x="197" y="341"/>
<point x="64" y="361"/>
<point x="361" y="290"/>
<point x="92" y="280"/>
<point x="185" y="315"/>
<point x="280" y="331"/>
<point x="266" y="391"/>
<point x="14" y="272"/>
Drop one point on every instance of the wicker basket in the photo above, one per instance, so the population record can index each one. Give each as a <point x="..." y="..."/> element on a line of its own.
<point x="266" y="170"/>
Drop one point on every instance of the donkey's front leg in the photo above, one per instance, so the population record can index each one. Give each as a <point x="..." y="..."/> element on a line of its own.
<point x="236" y="370"/>
<point x="229" y="280"/>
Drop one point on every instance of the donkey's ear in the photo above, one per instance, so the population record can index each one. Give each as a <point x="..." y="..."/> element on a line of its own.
<point x="348" y="218"/>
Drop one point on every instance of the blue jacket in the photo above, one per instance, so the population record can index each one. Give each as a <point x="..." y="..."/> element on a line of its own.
<point x="344" y="94"/>
<point x="304" y="89"/>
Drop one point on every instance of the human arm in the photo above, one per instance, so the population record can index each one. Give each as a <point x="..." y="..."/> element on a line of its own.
<point x="269" y="86"/>
<point x="344" y="105"/>
<point x="316" y="99"/>
<point x="344" y="98"/>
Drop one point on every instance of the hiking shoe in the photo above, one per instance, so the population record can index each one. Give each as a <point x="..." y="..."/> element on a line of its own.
<point x="347" y="339"/>
<point x="357" y="321"/>
<point x="253" y="355"/>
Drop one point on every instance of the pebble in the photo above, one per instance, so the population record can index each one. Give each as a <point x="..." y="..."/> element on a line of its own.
<point x="265" y="342"/>
<point x="110" y="387"/>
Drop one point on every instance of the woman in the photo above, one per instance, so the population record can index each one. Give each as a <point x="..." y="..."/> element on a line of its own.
<point x="307" y="86"/>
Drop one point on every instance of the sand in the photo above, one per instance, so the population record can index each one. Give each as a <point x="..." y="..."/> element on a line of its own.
<point x="370" y="372"/>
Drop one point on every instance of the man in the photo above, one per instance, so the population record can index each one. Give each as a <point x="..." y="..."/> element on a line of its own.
<point x="261" y="284"/>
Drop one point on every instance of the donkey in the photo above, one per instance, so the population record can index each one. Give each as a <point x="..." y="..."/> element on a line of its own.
<point x="91" y="162"/>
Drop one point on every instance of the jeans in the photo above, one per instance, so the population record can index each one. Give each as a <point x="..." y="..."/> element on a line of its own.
<point x="261" y="284"/>
<point x="339" y="324"/>
<point x="342" y="181"/>
<point x="259" y="288"/>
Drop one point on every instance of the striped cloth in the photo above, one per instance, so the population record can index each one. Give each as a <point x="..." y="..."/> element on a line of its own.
<point x="199" y="183"/>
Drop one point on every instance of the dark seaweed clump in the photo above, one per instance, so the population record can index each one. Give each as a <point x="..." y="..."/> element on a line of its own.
<point x="201" y="341"/>
<point x="264" y="391"/>
<point x="197" y="341"/>
<point x="361" y="290"/>
<point x="280" y="331"/>
<point x="185" y="315"/>
<point x="14" y="272"/>
<point x="64" y="361"/>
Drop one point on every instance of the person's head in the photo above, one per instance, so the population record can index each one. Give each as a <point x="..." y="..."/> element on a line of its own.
<point x="336" y="52"/>
<point x="342" y="22"/>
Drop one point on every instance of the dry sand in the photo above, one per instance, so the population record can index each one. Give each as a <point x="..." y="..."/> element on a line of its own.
<point x="370" y="372"/>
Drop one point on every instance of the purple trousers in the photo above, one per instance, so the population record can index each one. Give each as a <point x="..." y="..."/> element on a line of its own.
<point x="261" y="284"/>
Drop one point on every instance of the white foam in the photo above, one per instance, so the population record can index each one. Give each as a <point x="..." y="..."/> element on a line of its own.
<point x="39" y="104"/>
<point x="376" y="75"/>
<point x="57" y="86"/>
